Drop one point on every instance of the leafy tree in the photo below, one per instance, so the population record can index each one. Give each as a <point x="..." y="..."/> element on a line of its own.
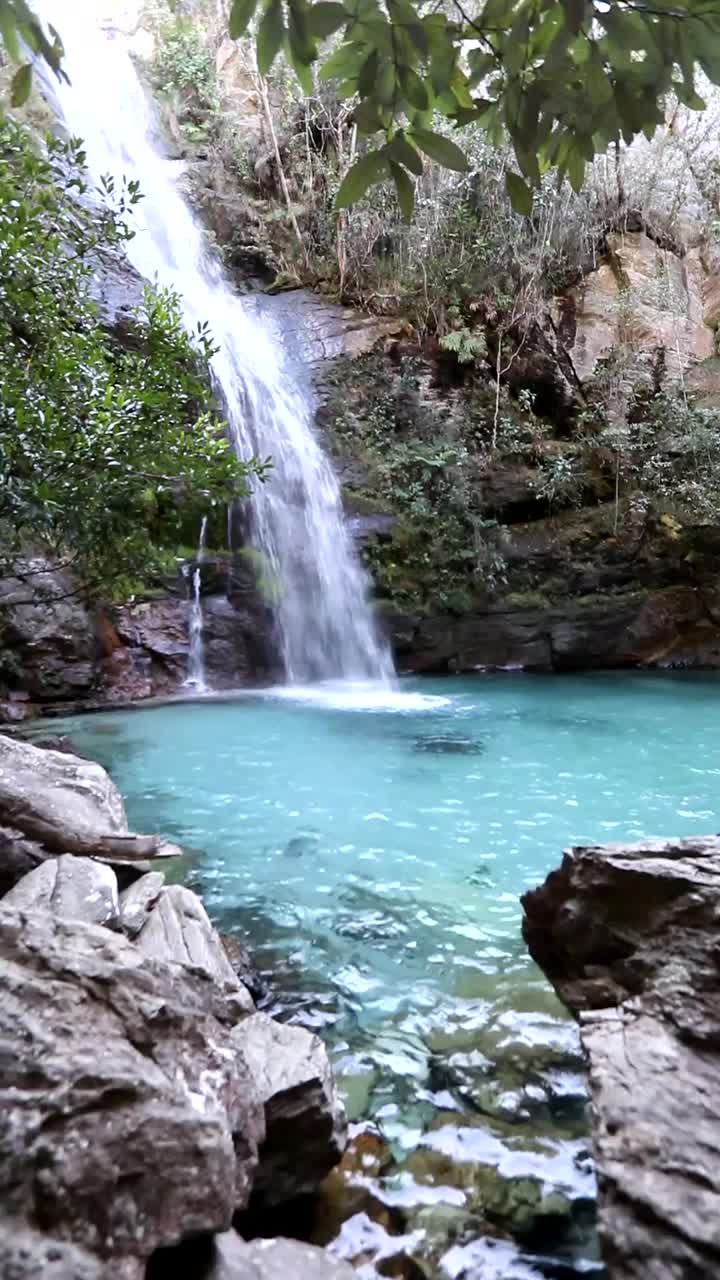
<point x="563" y="79"/>
<point x="106" y="449"/>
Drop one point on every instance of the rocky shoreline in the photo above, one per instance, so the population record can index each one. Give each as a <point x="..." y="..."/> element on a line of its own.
<point x="627" y="934"/>
<point x="145" y="1101"/>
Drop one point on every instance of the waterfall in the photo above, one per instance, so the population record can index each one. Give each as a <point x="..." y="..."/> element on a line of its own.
<point x="196" y="658"/>
<point x="325" y="625"/>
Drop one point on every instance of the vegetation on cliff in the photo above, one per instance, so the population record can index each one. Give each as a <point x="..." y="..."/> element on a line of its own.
<point x="106" y="448"/>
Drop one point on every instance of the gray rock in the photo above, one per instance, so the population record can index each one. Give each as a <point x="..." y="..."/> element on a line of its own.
<point x="178" y="929"/>
<point x="137" y="901"/>
<point x="29" y="1255"/>
<point x="244" y="966"/>
<point x="70" y="887"/>
<point x="18" y="855"/>
<point x="628" y="936"/>
<point x="128" y="1119"/>
<point x="57" y="797"/>
<point x="306" y="1128"/>
<point x="274" y="1260"/>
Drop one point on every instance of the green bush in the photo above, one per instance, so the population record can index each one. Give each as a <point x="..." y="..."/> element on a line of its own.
<point x="104" y="448"/>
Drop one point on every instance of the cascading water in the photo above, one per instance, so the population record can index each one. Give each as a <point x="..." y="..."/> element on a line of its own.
<point x="196" y="661"/>
<point x="325" y="624"/>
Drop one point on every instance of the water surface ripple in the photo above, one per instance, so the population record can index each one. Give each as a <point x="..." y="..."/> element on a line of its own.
<point x="373" y="853"/>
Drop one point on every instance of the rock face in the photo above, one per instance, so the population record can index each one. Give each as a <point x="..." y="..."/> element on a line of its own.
<point x="642" y="292"/>
<point x="177" y="929"/>
<point x="129" y="1120"/>
<point x="64" y="652"/>
<point x="628" y="936"/>
<point x="292" y="1073"/>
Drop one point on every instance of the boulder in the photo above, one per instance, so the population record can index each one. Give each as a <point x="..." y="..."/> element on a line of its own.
<point x="138" y="900"/>
<point x="70" y="887"/>
<point x="57" y="797"/>
<point x="67" y="805"/>
<point x="178" y="929"/>
<point x="628" y="936"/>
<point x="31" y="1255"/>
<point x="128" y="1118"/>
<point x="305" y="1122"/>
<point x="274" y="1260"/>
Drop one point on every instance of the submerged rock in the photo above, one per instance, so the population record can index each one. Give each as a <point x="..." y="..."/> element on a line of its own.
<point x="453" y="744"/>
<point x="628" y="936"/>
<point x="305" y="1121"/>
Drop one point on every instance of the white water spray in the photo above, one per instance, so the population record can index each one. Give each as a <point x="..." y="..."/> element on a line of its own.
<point x="196" y="677"/>
<point x="325" y="624"/>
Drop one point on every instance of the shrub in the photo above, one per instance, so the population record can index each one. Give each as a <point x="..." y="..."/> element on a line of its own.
<point x="104" y="448"/>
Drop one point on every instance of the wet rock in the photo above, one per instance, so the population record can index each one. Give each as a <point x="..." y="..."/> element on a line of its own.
<point x="294" y="1080"/>
<point x="274" y="1260"/>
<point x="243" y="966"/>
<point x="323" y="331"/>
<point x="138" y="900"/>
<point x="49" y="630"/>
<point x="70" y="887"/>
<point x="127" y="1117"/>
<point x="628" y="935"/>
<point x="178" y="929"/>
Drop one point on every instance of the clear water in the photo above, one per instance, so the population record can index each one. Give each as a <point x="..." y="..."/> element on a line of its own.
<point x="325" y="623"/>
<point x="373" y="852"/>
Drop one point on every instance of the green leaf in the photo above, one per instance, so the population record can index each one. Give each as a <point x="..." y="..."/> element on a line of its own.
<point x="413" y="88"/>
<point x="519" y="192"/>
<point x="344" y="63"/>
<point x="325" y="18"/>
<point x="271" y="34"/>
<point x="440" y="149"/>
<point x="402" y="152"/>
<point x="299" y="63"/>
<point x="367" y="117"/>
<point x="240" y="15"/>
<point x="386" y="84"/>
<point x="405" y="191"/>
<point x="368" y="74"/>
<point x="8" y="31"/>
<point x="21" y="85"/>
<point x="363" y="175"/>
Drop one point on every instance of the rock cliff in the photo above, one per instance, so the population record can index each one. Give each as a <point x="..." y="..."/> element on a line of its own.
<point x="627" y="934"/>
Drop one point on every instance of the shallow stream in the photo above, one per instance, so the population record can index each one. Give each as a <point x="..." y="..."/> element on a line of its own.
<point x="371" y="849"/>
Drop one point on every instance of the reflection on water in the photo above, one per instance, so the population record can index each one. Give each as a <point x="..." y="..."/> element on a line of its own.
<point x="373" y="854"/>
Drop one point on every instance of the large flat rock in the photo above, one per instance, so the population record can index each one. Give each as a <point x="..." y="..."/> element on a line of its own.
<point x="628" y="934"/>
